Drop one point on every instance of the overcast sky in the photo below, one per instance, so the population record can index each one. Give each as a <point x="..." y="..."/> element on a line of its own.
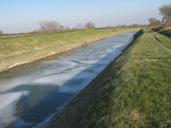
<point x="25" y="15"/>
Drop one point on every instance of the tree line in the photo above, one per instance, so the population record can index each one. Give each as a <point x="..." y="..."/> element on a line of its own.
<point x="50" y="26"/>
<point x="165" y="12"/>
<point x="53" y="26"/>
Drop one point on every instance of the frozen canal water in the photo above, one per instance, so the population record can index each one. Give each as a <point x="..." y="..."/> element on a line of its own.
<point x="30" y="94"/>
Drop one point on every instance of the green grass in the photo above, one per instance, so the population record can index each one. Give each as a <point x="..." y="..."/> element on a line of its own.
<point x="27" y="48"/>
<point x="132" y="92"/>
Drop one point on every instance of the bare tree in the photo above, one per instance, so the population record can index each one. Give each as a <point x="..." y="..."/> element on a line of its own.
<point x="50" y="26"/>
<point x="165" y="11"/>
<point x="154" y="22"/>
<point x="89" y="25"/>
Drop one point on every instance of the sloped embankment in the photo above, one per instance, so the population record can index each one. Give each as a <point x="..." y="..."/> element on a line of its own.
<point x="133" y="91"/>
<point x="28" y="48"/>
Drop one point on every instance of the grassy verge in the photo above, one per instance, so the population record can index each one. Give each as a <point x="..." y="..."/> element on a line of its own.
<point x="23" y="49"/>
<point x="132" y="92"/>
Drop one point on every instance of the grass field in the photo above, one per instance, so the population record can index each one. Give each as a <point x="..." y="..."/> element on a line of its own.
<point x="28" y="48"/>
<point x="132" y="92"/>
